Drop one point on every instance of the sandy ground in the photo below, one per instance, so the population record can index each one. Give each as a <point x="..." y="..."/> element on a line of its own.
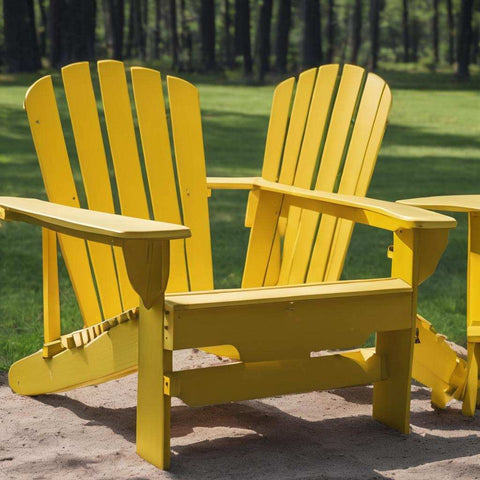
<point x="90" y="433"/>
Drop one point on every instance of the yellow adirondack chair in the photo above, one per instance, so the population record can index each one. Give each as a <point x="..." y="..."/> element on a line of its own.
<point x="436" y="364"/>
<point x="324" y="138"/>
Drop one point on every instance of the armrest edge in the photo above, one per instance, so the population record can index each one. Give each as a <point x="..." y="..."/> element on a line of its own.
<point x="87" y="224"/>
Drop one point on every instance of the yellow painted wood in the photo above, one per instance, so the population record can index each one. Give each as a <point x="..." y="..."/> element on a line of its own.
<point x="245" y="381"/>
<point x="52" y="348"/>
<point x="339" y="126"/>
<point x="271" y="330"/>
<point x="458" y="379"/>
<point x="317" y="121"/>
<point x="87" y="224"/>
<point x="473" y="314"/>
<point x="473" y="270"/>
<point x="51" y="294"/>
<point x="47" y="133"/>
<point x="322" y="99"/>
<point x="124" y="152"/>
<point x="245" y="296"/>
<point x="190" y="160"/>
<point x="414" y="253"/>
<point x="153" y="407"/>
<point x="296" y="127"/>
<point x="277" y="128"/>
<point x="227" y="183"/>
<point x="378" y="213"/>
<point x="471" y="388"/>
<point x="152" y="122"/>
<point x="452" y="203"/>
<point x="331" y="158"/>
<point x="436" y="364"/>
<point x="111" y="355"/>
<point x="354" y="170"/>
<point x="391" y="397"/>
<point x="293" y="141"/>
<point x="93" y="163"/>
<point x="121" y="135"/>
<point x="147" y="266"/>
<point x="262" y="238"/>
<point x="278" y="328"/>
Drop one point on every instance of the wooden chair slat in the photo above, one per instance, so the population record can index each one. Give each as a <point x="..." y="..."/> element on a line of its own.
<point x="296" y="127"/>
<point x="47" y="133"/>
<point x="93" y="164"/>
<point x="330" y="163"/>
<point x="358" y="169"/>
<point x="190" y="161"/>
<point x="124" y="152"/>
<point x="121" y="136"/>
<point x="322" y="99"/>
<point x="262" y="237"/>
<point x="333" y="151"/>
<point x="270" y="239"/>
<point x="277" y="128"/>
<point x="157" y="153"/>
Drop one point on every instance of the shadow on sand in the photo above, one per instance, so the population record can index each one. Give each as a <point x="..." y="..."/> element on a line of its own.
<point x="256" y="439"/>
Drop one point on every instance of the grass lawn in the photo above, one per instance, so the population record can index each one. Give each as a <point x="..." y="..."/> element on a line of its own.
<point x="432" y="147"/>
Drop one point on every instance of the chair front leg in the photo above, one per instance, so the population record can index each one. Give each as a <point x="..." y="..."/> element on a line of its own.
<point x="415" y="255"/>
<point x="148" y="267"/>
<point x="471" y="387"/>
<point x="153" y="406"/>
<point x="473" y="315"/>
<point x="391" y="397"/>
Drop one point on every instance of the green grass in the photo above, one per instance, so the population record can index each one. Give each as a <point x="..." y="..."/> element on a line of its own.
<point x="432" y="146"/>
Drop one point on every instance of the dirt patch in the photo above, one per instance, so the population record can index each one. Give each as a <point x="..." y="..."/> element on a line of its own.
<point x="90" y="433"/>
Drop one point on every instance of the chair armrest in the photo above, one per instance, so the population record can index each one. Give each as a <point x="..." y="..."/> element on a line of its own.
<point x="450" y="203"/>
<point x="231" y="183"/>
<point x="378" y="213"/>
<point x="87" y="224"/>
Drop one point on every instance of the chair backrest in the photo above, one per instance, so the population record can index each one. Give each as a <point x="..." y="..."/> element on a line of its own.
<point x="327" y="137"/>
<point x="146" y="184"/>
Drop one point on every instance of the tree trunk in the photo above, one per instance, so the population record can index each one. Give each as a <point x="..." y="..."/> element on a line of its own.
<point x="136" y="32"/>
<point x="374" y="34"/>
<point x="436" y="55"/>
<point x="54" y="32"/>
<point x="311" y="39"/>
<point x="451" y="33"/>
<point x="21" y="46"/>
<point x="186" y="37"/>
<point x="227" y="26"/>
<point x="356" y="31"/>
<point x="173" y="33"/>
<point x="406" y="32"/>
<point x="146" y="37"/>
<point x="262" y="42"/>
<point x="331" y="31"/>
<point x="116" y="11"/>
<point x="242" y="34"/>
<point x="464" y="40"/>
<point x="42" y="33"/>
<point x="140" y="34"/>
<point x="475" y="42"/>
<point x="107" y="28"/>
<point x="415" y="40"/>
<point x="283" y="32"/>
<point x="156" y="30"/>
<point x="207" y="34"/>
<point x="71" y="31"/>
